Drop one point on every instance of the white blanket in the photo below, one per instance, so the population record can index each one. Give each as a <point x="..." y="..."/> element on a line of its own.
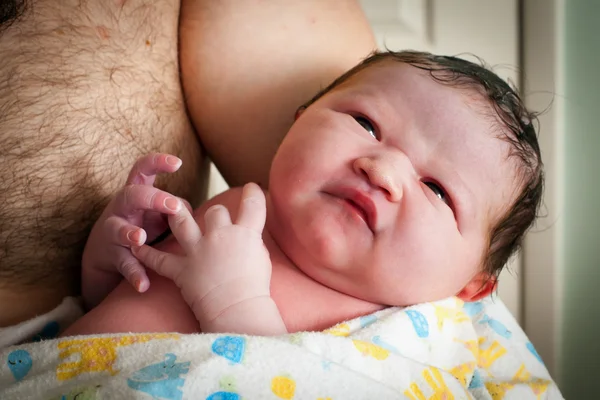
<point x="440" y="350"/>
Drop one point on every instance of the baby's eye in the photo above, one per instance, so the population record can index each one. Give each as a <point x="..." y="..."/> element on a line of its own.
<point x="365" y="123"/>
<point x="438" y="191"/>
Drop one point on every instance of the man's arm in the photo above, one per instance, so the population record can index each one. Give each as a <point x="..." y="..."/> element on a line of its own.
<point x="248" y="65"/>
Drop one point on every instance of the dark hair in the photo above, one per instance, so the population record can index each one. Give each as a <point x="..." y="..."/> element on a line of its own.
<point x="507" y="234"/>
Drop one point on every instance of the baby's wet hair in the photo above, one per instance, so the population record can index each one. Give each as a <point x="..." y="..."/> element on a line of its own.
<point x="517" y="127"/>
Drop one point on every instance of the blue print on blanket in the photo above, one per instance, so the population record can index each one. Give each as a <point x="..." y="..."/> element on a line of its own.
<point x="224" y="396"/>
<point x="376" y="340"/>
<point x="472" y="309"/>
<point x="161" y="380"/>
<point x="19" y="362"/>
<point x="533" y="351"/>
<point x="476" y="381"/>
<point x="496" y="326"/>
<point x="419" y="323"/>
<point x="230" y="347"/>
<point x="367" y="320"/>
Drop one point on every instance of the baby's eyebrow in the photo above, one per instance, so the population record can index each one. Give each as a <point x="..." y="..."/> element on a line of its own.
<point x="378" y="104"/>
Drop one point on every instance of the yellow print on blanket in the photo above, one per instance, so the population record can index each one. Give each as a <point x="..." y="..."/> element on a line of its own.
<point x="283" y="387"/>
<point x="370" y="349"/>
<point x="96" y="354"/>
<point x="537" y="385"/>
<point x="522" y="376"/>
<point x="489" y="356"/>
<point x="339" y="330"/>
<point x="454" y="315"/>
<point x="436" y="382"/>
<point x="463" y="372"/>
<point x="498" y="390"/>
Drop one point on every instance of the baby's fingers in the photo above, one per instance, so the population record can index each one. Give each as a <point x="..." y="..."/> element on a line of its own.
<point x="134" y="198"/>
<point x="123" y="233"/>
<point x="145" y="169"/>
<point x="135" y="274"/>
<point x="164" y="264"/>
<point x="185" y="229"/>
<point x="187" y="204"/>
<point x="253" y="210"/>
<point x="216" y="217"/>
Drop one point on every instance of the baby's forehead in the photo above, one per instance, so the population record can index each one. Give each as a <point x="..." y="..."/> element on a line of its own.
<point x="473" y="92"/>
<point x="472" y="95"/>
<point x="387" y="77"/>
<point x="404" y="79"/>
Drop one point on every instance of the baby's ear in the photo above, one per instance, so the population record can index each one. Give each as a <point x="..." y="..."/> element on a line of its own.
<point x="480" y="286"/>
<point x="299" y="112"/>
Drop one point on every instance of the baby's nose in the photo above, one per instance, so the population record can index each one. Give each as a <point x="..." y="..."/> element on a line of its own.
<point x="381" y="173"/>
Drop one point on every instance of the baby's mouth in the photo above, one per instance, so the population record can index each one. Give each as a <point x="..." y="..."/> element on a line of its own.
<point x="359" y="203"/>
<point x="363" y="208"/>
<point x="359" y="210"/>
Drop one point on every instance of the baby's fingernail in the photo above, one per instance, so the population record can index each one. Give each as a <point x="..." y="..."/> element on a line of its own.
<point x="172" y="203"/>
<point x="174" y="161"/>
<point x="252" y="199"/>
<point x="141" y="287"/>
<point x="130" y="236"/>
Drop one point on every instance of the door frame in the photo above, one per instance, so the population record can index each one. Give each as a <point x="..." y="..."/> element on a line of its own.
<point x="542" y="50"/>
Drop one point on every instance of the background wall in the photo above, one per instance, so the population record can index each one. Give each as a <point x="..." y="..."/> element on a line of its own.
<point x="580" y="352"/>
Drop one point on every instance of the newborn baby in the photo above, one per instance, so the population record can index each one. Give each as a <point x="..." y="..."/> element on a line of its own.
<point x="411" y="178"/>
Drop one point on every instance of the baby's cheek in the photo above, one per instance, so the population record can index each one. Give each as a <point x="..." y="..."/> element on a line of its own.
<point x="466" y="263"/>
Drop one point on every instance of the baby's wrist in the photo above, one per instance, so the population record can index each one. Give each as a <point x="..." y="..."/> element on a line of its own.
<point x="255" y="316"/>
<point x="213" y="304"/>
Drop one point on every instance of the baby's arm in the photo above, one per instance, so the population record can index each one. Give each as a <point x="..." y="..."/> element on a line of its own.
<point x="135" y="215"/>
<point x="225" y="273"/>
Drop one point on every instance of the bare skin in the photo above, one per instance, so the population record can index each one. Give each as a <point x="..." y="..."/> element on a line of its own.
<point x="94" y="85"/>
<point x="248" y="65"/>
<point x="85" y="89"/>
<point x="163" y="309"/>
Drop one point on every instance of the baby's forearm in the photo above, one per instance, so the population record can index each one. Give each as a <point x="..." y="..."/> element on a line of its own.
<point x="257" y="316"/>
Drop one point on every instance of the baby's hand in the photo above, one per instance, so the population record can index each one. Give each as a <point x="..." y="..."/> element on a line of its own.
<point x="135" y="215"/>
<point x="222" y="268"/>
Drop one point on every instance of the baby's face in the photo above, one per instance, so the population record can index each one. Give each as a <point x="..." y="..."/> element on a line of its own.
<point x="387" y="187"/>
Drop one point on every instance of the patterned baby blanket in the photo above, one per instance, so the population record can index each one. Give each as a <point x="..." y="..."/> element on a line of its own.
<point x="440" y="350"/>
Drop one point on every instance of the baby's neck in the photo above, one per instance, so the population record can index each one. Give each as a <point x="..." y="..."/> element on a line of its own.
<point x="305" y="304"/>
